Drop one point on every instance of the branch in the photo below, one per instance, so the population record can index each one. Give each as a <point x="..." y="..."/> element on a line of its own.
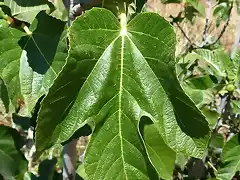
<point x="204" y="36"/>
<point x="184" y="34"/>
<point x="225" y="25"/>
<point x="69" y="160"/>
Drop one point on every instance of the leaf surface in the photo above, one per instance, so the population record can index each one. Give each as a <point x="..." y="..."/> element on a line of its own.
<point x="29" y="64"/>
<point x="230" y="158"/>
<point x="26" y="10"/>
<point x="12" y="160"/>
<point x="42" y="58"/>
<point x="10" y="51"/>
<point x="114" y="76"/>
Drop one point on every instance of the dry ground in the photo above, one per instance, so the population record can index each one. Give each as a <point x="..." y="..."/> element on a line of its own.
<point x="194" y="32"/>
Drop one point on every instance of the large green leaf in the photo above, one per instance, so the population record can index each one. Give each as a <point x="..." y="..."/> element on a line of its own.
<point x="115" y="75"/>
<point x="12" y="160"/>
<point x="29" y="64"/>
<point x="230" y="158"/>
<point x="26" y="10"/>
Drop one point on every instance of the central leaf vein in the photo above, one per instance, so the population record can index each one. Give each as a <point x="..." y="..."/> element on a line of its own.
<point x="120" y="103"/>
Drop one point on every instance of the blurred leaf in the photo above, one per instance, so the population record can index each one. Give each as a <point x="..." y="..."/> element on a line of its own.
<point x="230" y="158"/>
<point x="181" y="160"/>
<point x="190" y="13"/>
<point x="139" y="5"/>
<point x="4" y="95"/>
<point x="60" y="12"/>
<point x="197" y="4"/>
<point x="26" y="10"/>
<point x="202" y="82"/>
<point x="211" y="115"/>
<point x="200" y="97"/>
<point x="216" y="141"/>
<point x="235" y="106"/>
<point x="221" y="12"/>
<point x="12" y="161"/>
<point x="46" y="169"/>
<point x="218" y="60"/>
<point x="81" y="172"/>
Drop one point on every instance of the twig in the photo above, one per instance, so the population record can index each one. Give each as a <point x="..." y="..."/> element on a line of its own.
<point x="184" y="34"/>
<point x="225" y="25"/>
<point x="204" y="36"/>
<point x="210" y="164"/>
<point x="69" y="160"/>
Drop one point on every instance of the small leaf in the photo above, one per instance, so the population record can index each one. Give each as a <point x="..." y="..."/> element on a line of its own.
<point x="12" y="160"/>
<point x="230" y="158"/>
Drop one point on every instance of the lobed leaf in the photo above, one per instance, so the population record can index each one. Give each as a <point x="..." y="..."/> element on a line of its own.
<point x="113" y="77"/>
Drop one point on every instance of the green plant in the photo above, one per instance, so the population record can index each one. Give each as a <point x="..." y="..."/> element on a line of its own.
<point x="114" y="75"/>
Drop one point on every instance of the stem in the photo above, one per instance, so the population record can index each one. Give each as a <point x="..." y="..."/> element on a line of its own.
<point x="69" y="160"/>
<point x="184" y="34"/>
<point x="122" y="8"/>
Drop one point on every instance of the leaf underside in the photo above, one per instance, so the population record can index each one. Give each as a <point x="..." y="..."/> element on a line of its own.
<point x="113" y="78"/>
